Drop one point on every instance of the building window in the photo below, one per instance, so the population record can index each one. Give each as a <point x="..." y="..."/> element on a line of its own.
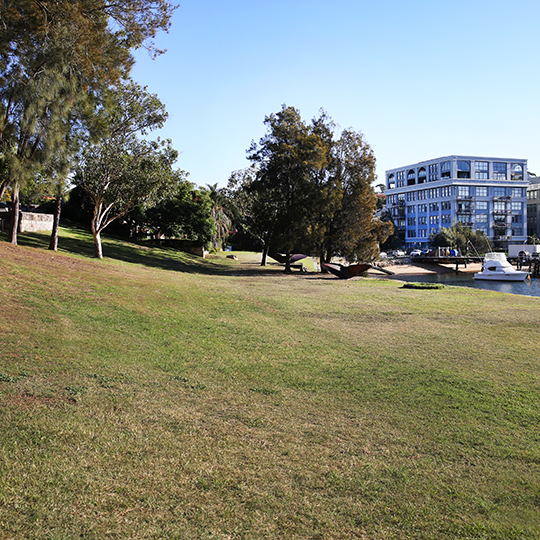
<point x="481" y="205"/>
<point x="481" y="170"/>
<point x="499" y="192"/>
<point x="411" y="178"/>
<point x="411" y="209"/>
<point x="517" y="232"/>
<point x="464" y="169"/>
<point x="481" y="192"/>
<point x="445" y="169"/>
<point x="481" y="218"/>
<point x="463" y="191"/>
<point x="499" y="171"/>
<point x="499" y="207"/>
<point x="422" y="208"/>
<point x="421" y="175"/>
<point x="517" y="192"/>
<point x="517" y="171"/>
<point x="411" y="221"/>
<point x="517" y="218"/>
<point x="446" y="191"/>
<point x="446" y="205"/>
<point x="517" y="207"/>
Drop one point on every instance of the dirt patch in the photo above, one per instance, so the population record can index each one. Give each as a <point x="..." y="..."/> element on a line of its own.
<point x="27" y="401"/>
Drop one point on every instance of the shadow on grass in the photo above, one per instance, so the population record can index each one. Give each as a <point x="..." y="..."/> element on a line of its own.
<point x="78" y="241"/>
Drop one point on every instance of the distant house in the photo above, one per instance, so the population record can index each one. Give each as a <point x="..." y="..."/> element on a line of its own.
<point x="486" y="194"/>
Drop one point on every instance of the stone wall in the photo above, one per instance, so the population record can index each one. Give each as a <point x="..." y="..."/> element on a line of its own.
<point x="31" y="222"/>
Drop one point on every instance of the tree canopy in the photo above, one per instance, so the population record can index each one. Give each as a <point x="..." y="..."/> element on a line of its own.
<point x="57" y="56"/>
<point x="122" y="171"/>
<point x="311" y="190"/>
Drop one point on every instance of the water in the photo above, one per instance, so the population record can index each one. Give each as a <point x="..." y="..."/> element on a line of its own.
<point x="529" y="287"/>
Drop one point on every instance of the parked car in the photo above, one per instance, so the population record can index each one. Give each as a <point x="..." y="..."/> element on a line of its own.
<point x="416" y="253"/>
<point x="398" y="253"/>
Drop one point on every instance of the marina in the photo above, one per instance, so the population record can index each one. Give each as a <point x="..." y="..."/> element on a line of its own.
<point x="528" y="287"/>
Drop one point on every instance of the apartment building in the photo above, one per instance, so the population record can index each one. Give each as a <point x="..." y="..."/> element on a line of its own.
<point x="484" y="193"/>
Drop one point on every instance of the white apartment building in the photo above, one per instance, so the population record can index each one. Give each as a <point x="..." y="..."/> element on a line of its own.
<point x="484" y="193"/>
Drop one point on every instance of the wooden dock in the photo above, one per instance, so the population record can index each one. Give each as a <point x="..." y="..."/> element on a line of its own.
<point x="447" y="259"/>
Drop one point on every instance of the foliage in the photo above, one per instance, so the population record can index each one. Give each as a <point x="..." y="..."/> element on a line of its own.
<point x="219" y="214"/>
<point x="308" y="190"/>
<point x="185" y="213"/>
<point x="248" y="206"/>
<point x="462" y="238"/>
<point x="122" y="171"/>
<point x="55" y="58"/>
<point x="351" y="229"/>
<point x="286" y="159"/>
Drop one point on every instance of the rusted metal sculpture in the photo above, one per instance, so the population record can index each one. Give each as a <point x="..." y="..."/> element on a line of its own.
<point x="283" y="258"/>
<point x="346" y="272"/>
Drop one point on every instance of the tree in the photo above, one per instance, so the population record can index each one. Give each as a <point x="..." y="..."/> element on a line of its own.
<point x="352" y="230"/>
<point x="286" y="158"/>
<point x="184" y="213"/>
<point x="253" y="213"/>
<point x="122" y="171"/>
<point x="53" y="55"/>
<point x="222" y="221"/>
<point x="460" y="237"/>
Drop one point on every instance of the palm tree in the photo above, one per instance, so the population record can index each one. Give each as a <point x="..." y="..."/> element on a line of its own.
<point x="219" y="214"/>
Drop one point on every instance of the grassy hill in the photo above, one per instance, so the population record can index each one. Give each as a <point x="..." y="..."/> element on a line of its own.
<point x="156" y="395"/>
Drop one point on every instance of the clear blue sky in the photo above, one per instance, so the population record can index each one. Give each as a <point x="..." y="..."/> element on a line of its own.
<point x="419" y="78"/>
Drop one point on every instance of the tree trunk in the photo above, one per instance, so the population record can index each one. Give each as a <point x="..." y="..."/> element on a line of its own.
<point x="15" y="211"/>
<point x="3" y="188"/>
<point x="288" y="262"/>
<point x="97" y="244"/>
<point x="53" y="244"/>
<point x="264" y="254"/>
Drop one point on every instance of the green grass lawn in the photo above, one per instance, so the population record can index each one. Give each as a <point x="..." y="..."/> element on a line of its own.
<point x="156" y="395"/>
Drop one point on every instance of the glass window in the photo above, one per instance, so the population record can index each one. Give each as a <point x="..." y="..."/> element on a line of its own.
<point x="445" y="169"/>
<point x="517" y="171"/>
<point x="499" y="192"/>
<point x="517" y="192"/>
<point x="499" y="171"/>
<point x="464" y="169"/>
<point x="517" y="207"/>
<point x="463" y="191"/>
<point x="481" y="192"/>
<point x="481" y="218"/>
<point x="481" y="205"/>
<point x="481" y="170"/>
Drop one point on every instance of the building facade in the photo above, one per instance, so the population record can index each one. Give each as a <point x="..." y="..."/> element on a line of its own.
<point x="533" y="206"/>
<point x="485" y="194"/>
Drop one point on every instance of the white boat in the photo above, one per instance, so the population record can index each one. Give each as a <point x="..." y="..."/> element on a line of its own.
<point x="496" y="267"/>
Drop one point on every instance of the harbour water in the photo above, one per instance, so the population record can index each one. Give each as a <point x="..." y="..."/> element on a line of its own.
<point x="529" y="287"/>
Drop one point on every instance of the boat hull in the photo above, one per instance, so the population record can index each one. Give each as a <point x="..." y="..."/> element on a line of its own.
<point x="514" y="276"/>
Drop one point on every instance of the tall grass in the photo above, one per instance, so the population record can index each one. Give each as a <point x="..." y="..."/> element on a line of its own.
<point x="156" y="395"/>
